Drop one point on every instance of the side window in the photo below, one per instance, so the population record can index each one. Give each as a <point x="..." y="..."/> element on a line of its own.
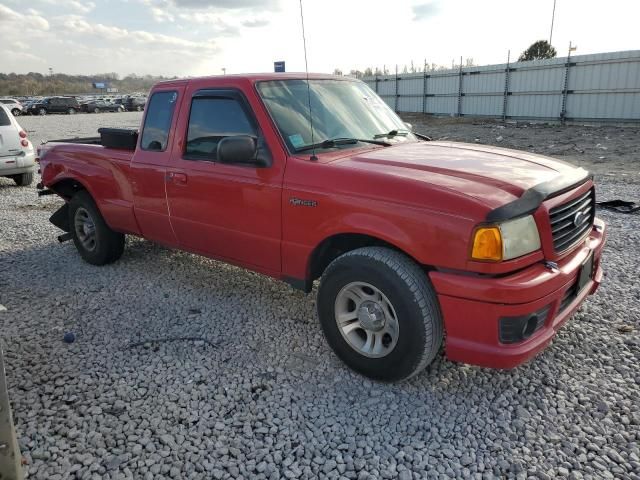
<point x="155" y="132"/>
<point x="210" y="120"/>
<point x="4" y="118"/>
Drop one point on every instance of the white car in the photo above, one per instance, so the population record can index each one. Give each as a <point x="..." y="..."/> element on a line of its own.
<point x="13" y="105"/>
<point x="17" y="155"/>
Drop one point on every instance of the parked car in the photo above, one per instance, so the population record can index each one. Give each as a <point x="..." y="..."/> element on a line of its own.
<point x="14" y="106"/>
<point x="47" y="105"/>
<point x="417" y="244"/>
<point x="100" y="106"/>
<point x="135" y="104"/>
<point x="17" y="156"/>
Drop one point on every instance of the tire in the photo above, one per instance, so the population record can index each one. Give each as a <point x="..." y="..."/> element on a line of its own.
<point x="406" y="301"/>
<point x="24" y="179"/>
<point x="138" y="108"/>
<point x="16" y="112"/>
<point x="71" y="111"/>
<point x="107" y="245"/>
<point x="96" y="110"/>
<point x="42" y="111"/>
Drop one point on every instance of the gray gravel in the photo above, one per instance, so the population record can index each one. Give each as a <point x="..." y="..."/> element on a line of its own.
<point x="185" y="368"/>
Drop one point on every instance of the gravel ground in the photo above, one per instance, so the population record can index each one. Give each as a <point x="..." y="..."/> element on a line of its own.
<point x="185" y="368"/>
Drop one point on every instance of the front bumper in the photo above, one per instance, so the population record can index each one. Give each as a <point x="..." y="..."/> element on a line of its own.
<point x="472" y="305"/>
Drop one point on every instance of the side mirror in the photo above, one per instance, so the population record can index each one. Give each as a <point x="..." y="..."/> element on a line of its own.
<point x="237" y="149"/>
<point x="409" y="126"/>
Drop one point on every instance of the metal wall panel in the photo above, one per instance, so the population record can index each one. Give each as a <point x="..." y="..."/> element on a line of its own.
<point x="545" y="107"/>
<point x="411" y="85"/>
<point x="598" y="106"/>
<point x="537" y="79"/>
<point x="603" y="86"/>
<point x="484" y="82"/>
<point x="410" y="104"/>
<point x="442" y="105"/>
<point x="482" y="105"/>
<point x="387" y="86"/>
<point x="443" y="84"/>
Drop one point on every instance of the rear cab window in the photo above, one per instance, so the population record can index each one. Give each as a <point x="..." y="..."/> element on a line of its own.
<point x="157" y="123"/>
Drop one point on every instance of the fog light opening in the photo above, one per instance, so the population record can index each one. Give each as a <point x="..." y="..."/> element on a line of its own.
<point x="530" y="327"/>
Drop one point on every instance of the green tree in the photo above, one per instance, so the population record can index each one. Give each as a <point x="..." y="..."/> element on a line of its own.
<point x="539" y="50"/>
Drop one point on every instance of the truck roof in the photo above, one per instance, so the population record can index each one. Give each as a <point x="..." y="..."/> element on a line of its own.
<point x="252" y="78"/>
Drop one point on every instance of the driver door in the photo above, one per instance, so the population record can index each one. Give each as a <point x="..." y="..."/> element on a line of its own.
<point x="227" y="211"/>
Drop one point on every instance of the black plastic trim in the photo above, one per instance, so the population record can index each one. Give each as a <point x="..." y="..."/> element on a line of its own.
<point x="533" y="197"/>
<point x="60" y="218"/>
<point x="299" y="283"/>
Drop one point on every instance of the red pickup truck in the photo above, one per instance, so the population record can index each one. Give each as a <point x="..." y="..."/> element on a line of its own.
<point x="417" y="244"/>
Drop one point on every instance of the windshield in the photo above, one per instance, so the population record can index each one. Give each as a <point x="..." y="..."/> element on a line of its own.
<point x="340" y="109"/>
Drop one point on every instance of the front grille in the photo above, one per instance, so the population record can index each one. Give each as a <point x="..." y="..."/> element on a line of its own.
<point x="572" y="221"/>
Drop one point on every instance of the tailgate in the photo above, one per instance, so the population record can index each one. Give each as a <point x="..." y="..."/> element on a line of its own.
<point x="9" y="141"/>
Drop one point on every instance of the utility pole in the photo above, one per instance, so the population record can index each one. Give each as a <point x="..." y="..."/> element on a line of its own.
<point x="53" y="89"/>
<point x="553" y="16"/>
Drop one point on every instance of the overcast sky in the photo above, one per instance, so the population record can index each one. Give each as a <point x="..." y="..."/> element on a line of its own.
<point x="198" y="37"/>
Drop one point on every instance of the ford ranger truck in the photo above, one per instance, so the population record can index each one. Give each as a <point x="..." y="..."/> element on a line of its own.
<point x="419" y="245"/>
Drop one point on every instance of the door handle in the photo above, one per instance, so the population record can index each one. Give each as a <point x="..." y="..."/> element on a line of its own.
<point x="177" y="178"/>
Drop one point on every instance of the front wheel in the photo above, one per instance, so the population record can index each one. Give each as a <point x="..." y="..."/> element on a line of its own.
<point x="16" y="112"/>
<point x="42" y="111"/>
<point x="379" y="313"/>
<point x="71" y="111"/>
<point x="94" y="240"/>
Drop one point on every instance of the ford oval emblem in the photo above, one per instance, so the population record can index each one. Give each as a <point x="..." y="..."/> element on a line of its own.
<point x="580" y="218"/>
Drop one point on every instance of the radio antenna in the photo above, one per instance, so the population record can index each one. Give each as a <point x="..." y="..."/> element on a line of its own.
<point x="306" y="68"/>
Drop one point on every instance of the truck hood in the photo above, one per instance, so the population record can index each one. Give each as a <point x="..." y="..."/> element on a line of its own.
<point x="494" y="176"/>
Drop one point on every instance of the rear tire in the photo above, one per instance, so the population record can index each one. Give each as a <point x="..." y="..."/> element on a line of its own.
<point x="16" y="112"/>
<point x="391" y="325"/>
<point x="24" y="179"/>
<point x="71" y="111"/>
<point x="96" y="110"/>
<point x="42" y="111"/>
<point x="94" y="240"/>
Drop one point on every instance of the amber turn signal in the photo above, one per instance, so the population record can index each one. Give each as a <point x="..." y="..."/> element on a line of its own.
<point x="487" y="244"/>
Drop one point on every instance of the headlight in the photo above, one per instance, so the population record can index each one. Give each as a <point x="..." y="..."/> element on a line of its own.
<point x="506" y="240"/>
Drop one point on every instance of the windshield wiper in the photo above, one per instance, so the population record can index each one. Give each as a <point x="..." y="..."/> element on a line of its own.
<point x="334" y="142"/>
<point x="402" y="133"/>
<point x="393" y="133"/>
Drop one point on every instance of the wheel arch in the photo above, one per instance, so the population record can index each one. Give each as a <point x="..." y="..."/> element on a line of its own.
<point x="337" y="244"/>
<point x="68" y="187"/>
